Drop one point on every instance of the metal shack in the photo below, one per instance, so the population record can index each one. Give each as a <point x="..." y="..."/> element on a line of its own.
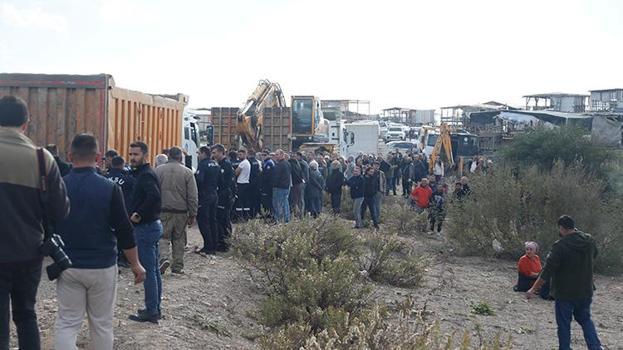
<point x="62" y="106"/>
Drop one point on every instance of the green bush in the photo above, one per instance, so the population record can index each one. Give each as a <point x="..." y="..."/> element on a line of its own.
<point x="482" y="309"/>
<point x="400" y="218"/>
<point x="388" y="260"/>
<point x="543" y="147"/>
<point x="508" y="208"/>
<point x="317" y="297"/>
<point x="307" y="266"/>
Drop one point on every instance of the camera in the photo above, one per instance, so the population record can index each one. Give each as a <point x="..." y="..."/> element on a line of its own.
<point x="53" y="247"/>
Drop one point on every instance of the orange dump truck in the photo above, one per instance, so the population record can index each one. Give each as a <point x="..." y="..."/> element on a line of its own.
<point x="62" y="106"/>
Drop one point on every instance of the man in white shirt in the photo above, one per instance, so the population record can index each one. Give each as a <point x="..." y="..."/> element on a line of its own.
<point x="243" y="172"/>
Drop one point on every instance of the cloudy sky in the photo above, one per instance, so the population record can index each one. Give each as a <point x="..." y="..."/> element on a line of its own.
<point x="419" y="54"/>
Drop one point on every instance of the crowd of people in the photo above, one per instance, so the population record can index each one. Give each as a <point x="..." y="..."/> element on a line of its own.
<point x="92" y="217"/>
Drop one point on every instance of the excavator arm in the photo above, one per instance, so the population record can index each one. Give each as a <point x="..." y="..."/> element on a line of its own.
<point x="444" y="143"/>
<point x="250" y="119"/>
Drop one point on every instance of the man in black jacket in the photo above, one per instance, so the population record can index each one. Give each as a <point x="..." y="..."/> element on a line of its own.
<point x="118" y="175"/>
<point x="145" y="209"/>
<point x="266" y="185"/>
<point x="297" y="197"/>
<point x="569" y="266"/>
<point x="63" y="166"/>
<point x="225" y="197"/>
<point x="356" y="193"/>
<point x="334" y="186"/>
<point x="208" y="177"/>
<point x="370" y="189"/>
<point x="21" y="229"/>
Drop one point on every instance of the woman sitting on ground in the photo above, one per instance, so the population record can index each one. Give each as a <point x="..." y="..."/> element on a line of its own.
<point x="529" y="268"/>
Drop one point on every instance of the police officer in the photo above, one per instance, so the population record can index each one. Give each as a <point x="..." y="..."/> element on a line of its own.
<point x="225" y="197"/>
<point x="118" y="174"/>
<point x="254" y="181"/>
<point x="208" y="177"/>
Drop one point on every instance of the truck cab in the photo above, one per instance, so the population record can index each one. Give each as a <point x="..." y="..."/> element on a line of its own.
<point x="190" y="140"/>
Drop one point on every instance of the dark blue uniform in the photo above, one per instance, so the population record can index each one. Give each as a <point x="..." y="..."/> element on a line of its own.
<point x="208" y="177"/>
<point x="254" y="182"/>
<point x="125" y="181"/>
<point x="225" y="202"/>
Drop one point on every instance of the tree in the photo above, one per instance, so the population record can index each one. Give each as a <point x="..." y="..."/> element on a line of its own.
<point x="543" y="147"/>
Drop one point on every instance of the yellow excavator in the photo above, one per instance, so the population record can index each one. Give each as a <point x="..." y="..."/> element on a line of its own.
<point x="250" y="119"/>
<point x="443" y="144"/>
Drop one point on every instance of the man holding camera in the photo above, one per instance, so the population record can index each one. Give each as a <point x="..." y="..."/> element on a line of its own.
<point x="21" y="221"/>
<point x="98" y="220"/>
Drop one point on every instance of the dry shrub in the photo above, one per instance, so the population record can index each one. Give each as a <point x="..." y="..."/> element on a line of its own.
<point x="510" y="207"/>
<point x="373" y="329"/>
<point x="400" y="218"/>
<point x="307" y="266"/>
<point x="317" y="295"/>
<point x="389" y="260"/>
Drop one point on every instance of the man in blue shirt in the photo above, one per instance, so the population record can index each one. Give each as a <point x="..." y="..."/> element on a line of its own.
<point x="96" y="222"/>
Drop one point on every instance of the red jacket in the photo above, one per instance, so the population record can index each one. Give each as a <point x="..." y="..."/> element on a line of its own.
<point x="527" y="266"/>
<point x="421" y="196"/>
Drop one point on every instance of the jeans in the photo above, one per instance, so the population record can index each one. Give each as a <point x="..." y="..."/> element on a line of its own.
<point x="206" y="220"/>
<point x="390" y="185"/>
<point x="581" y="311"/>
<point x="281" y="206"/>
<point x="378" y="198"/>
<point x="18" y="287"/>
<point x="357" y="204"/>
<point x="369" y="203"/>
<point x="336" y="202"/>
<point x="147" y="239"/>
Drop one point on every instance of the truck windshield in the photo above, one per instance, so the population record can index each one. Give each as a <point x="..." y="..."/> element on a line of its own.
<point x="302" y="116"/>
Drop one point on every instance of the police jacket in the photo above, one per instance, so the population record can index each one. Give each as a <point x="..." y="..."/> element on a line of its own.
<point x="21" y="232"/>
<point x="226" y="186"/>
<point x="266" y="181"/>
<point x="208" y="177"/>
<point x="146" y="198"/>
<point x="125" y="181"/>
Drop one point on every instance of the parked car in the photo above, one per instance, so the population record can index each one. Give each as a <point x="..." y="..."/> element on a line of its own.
<point x="402" y="146"/>
<point x="395" y="133"/>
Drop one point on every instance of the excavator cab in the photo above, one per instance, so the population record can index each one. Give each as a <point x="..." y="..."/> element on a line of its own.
<point x="307" y="122"/>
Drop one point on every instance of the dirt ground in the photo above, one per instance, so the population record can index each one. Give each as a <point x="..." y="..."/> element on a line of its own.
<point x="211" y="306"/>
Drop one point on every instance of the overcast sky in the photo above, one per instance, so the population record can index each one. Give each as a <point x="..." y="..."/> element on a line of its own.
<point x="418" y="54"/>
